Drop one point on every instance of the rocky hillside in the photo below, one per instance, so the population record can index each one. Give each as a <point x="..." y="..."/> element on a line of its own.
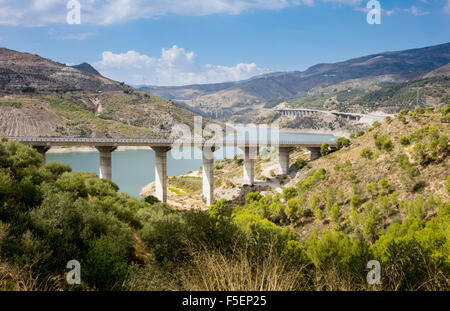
<point x="26" y="72"/>
<point x="83" y="114"/>
<point x="39" y="97"/>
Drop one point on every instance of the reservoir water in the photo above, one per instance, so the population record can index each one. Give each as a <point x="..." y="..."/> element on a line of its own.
<point x="134" y="169"/>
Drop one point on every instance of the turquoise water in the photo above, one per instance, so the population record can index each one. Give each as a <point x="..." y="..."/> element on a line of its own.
<point x="132" y="170"/>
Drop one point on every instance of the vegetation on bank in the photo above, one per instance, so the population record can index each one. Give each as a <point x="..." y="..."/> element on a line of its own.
<point x="318" y="234"/>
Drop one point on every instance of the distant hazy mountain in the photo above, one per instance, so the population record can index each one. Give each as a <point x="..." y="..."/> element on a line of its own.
<point x="87" y="68"/>
<point x="187" y="91"/>
<point x="394" y="66"/>
<point x="23" y="70"/>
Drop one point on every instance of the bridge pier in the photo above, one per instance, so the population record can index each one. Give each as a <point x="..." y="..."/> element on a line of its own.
<point x="284" y="159"/>
<point x="249" y="165"/>
<point x="161" y="173"/>
<point x="315" y="153"/>
<point x="42" y="150"/>
<point x="208" y="175"/>
<point x="105" y="161"/>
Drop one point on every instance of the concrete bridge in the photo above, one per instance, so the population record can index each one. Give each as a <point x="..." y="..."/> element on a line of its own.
<point x="346" y="115"/>
<point x="106" y="146"/>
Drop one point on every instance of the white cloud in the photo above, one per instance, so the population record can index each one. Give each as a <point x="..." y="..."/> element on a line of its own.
<point x="416" y="11"/>
<point x="175" y="66"/>
<point x="101" y="12"/>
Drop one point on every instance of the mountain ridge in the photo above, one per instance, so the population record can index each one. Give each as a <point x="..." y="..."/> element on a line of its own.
<point x="24" y="70"/>
<point x="398" y="66"/>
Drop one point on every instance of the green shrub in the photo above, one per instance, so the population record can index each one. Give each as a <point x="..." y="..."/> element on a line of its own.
<point x="384" y="144"/>
<point x="422" y="154"/>
<point x="325" y="149"/>
<point x="301" y="163"/>
<point x="350" y="176"/>
<point x="402" y="119"/>
<point x="372" y="223"/>
<point x="443" y="143"/>
<point x="151" y="199"/>
<point x="105" y="265"/>
<point x="289" y="193"/>
<point x="253" y="197"/>
<point x="366" y="153"/>
<point x="405" y="141"/>
<point x="384" y="183"/>
<point x="335" y="213"/>
<point x="416" y="250"/>
<point x="360" y="133"/>
<point x="355" y="201"/>
<point x="334" y="250"/>
<point x="342" y="142"/>
<point x="376" y="124"/>
<point x="372" y="189"/>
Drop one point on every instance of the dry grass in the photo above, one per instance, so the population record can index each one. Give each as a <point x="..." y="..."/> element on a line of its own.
<point x="22" y="279"/>
<point x="239" y="271"/>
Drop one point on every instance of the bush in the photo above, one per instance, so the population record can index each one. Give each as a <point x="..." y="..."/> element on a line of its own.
<point x="325" y="149"/>
<point x="151" y="199"/>
<point x="360" y="133"/>
<point x="105" y="265"/>
<point x="416" y="251"/>
<point x="301" y="163"/>
<point x="355" y="201"/>
<point x="289" y="193"/>
<point x="376" y="124"/>
<point x="366" y="153"/>
<point x="384" y="144"/>
<point x="335" y="213"/>
<point x="372" y="189"/>
<point x="342" y="142"/>
<point x="372" y="223"/>
<point x="384" y="183"/>
<point x="334" y="250"/>
<point x="402" y="119"/>
<point x="405" y="141"/>
<point x="422" y="154"/>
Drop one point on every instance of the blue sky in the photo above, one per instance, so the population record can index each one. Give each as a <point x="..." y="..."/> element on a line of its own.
<point x="175" y="42"/>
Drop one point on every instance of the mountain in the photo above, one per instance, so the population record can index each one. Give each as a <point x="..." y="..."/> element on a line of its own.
<point x="23" y="71"/>
<point x="188" y="91"/>
<point x="441" y="71"/>
<point x="87" y="68"/>
<point x="383" y="67"/>
<point x="40" y="97"/>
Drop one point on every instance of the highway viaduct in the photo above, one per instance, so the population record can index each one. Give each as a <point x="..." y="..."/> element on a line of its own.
<point x="106" y="146"/>
<point x="296" y="113"/>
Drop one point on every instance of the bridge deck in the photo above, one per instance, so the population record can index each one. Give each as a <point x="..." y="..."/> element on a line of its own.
<point x="98" y="142"/>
